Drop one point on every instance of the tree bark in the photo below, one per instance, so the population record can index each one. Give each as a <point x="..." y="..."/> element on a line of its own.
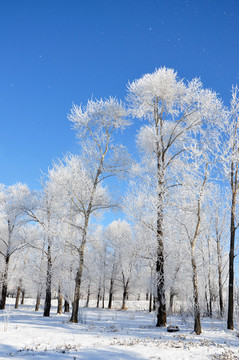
<point x="98" y="295"/>
<point x="75" y="304"/>
<point x="47" y="305"/>
<point x="23" y="296"/>
<point x="125" y="292"/>
<point x="38" y="301"/>
<point x="88" y="296"/>
<point x="103" y="297"/>
<point x="4" y="283"/>
<point x="230" y="324"/>
<point x="234" y="189"/>
<point x="18" y="296"/>
<point x="60" y="301"/>
<point x="220" y="286"/>
<point x="66" y="306"/>
<point x="150" y="301"/>
<point x="197" y="321"/>
<point x="209" y="279"/>
<point x="161" y="313"/>
<point x="111" y="293"/>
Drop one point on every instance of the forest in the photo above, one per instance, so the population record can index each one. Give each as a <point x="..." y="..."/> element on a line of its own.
<point x="172" y="205"/>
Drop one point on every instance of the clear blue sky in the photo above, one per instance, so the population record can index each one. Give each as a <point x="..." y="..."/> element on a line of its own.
<point x="55" y="52"/>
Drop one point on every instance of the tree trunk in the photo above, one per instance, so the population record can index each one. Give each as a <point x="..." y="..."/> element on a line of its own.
<point x="60" y="301"/>
<point x="66" y="306"/>
<point x="234" y="189"/>
<point x="160" y="154"/>
<point x="88" y="297"/>
<point x="230" y="324"/>
<point x="123" y="307"/>
<point x="150" y="301"/>
<point x="98" y="295"/>
<point x="103" y="297"/>
<point x="47" y="305"/>
<point x="209" y="279"/>
<point x="4" y="283"/>
<point x="161" y="314"/>
<point x="220" y="286"/>
<point x="197" y="317"/>
<point x="125" y="292"/>
<point x="38" y="301"/>
<point x="23" y="297"/>
<point x="75" y="304"/>
<point x="111" y="293"/>
<point x="171" y="298"/>
<point x="18" y="296"/>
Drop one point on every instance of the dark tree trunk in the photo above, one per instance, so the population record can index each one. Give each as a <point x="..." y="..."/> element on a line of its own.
<point x="206" y="299"/>
<point x="160" y="154"/>
<point x="197" y="316"/>
<point x="103" y="297"/>
<point x="220" y="286"/>
<point x="38" y="301"/>
<point x="4" y="283"/>
<point x="23" y="297"/>
<point x="161" y="314"/>
<point x="47" y="305"/>
<point x="209" y="279"/>
<point x="150" y="301"/>
<point x="125" y="292"/>
<point x="60" y="301"/>
<point x="75" y="304"/>
<point x="18" y="296"/>
<point x="154" y="303"/>
<point x="123" y="307"/>
<point x="88" y="297"/>
<point x="171" y="299"/>
<point x="66" y="306"/>
<point x="230" y="324"/>
<point x="111" y="293"/>
<point x="98" y="295"/>
<point x="234" y="189"/>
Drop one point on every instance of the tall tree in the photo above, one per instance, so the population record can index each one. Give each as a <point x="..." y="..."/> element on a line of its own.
<point x="233" y="147"/>
<point x="175" y="111"/>
<point x="100" y="158"/>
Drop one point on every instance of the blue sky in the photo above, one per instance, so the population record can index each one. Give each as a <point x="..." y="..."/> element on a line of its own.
<point x="56" y="52"/>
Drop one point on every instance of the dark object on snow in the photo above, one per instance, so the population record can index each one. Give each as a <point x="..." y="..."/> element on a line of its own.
<point x="172" y="328"/>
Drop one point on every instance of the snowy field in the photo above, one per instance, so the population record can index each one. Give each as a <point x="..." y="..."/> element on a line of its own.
<point x="110" y="334"/>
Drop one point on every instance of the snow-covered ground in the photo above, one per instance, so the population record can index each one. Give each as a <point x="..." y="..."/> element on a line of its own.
<point x="110" y="334"/>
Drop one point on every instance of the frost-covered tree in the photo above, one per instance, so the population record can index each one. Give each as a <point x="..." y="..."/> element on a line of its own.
<point x="41" y="211"/>
<point x="125" y="249"/>
<point x="12" y="200"/>
<point x="175" y="112"/>
<point x="231" y="162"/>
<point x="95" y="125"/>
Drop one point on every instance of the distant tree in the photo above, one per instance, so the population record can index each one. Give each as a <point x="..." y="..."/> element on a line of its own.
<point x="12" y="201"/>
<point x="41" y="211"/>
<point x="124" y="247"/>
